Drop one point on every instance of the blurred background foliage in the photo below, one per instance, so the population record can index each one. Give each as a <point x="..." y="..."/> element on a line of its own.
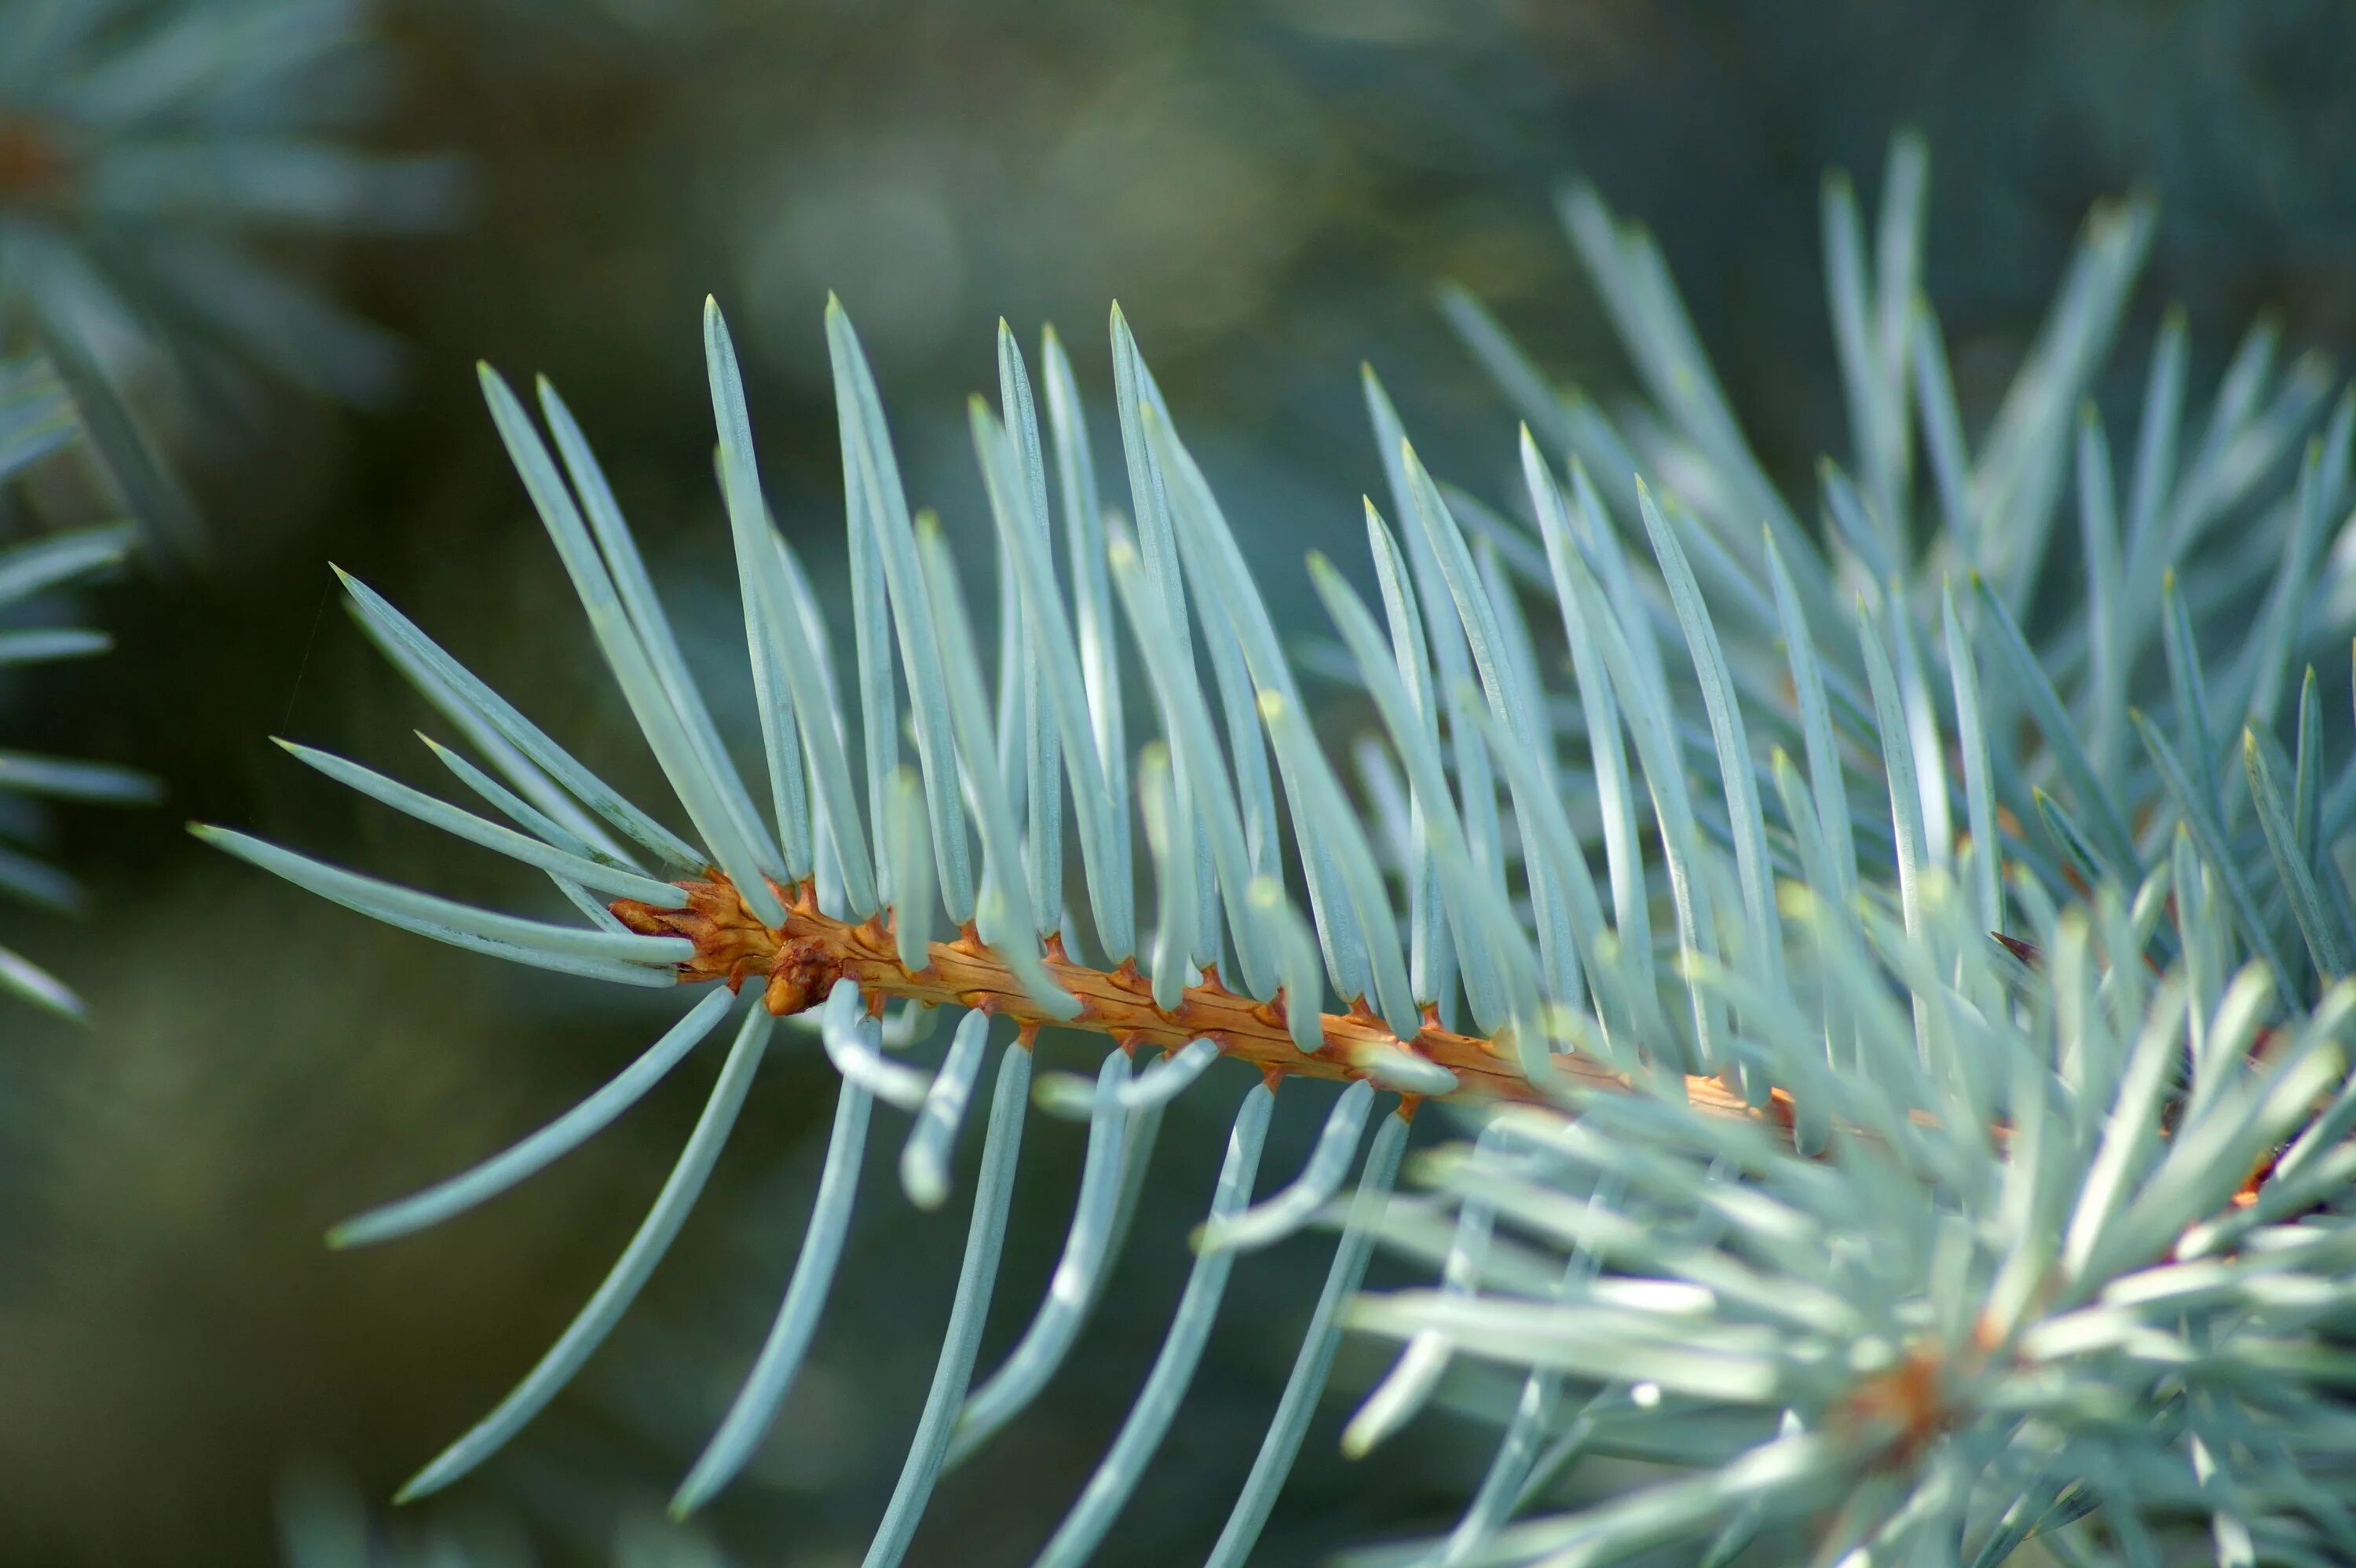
<point x="1271" y="191"/>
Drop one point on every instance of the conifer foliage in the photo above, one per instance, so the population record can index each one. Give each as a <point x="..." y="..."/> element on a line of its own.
<point x="1894" y="968"/>
<point x="37" y="419"/>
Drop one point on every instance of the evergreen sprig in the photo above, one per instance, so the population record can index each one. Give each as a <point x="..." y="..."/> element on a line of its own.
<point x="2083" y="1254"/>
<point x="37" y="418"/>
<point x="158" y="160"/>
<point x="1913" y="1174"/>
<point x="149" y="149"/>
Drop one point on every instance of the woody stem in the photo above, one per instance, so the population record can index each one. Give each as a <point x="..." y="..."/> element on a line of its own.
<point x="800" y="960"/>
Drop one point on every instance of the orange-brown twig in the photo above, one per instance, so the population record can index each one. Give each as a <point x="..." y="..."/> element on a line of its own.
<point x="798" y="962"/>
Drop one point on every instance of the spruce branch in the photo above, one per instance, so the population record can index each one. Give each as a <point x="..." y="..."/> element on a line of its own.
<point x="154" y="155"/>
<point x="1928" y="1128"/>
<point x="37" y="420"/>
